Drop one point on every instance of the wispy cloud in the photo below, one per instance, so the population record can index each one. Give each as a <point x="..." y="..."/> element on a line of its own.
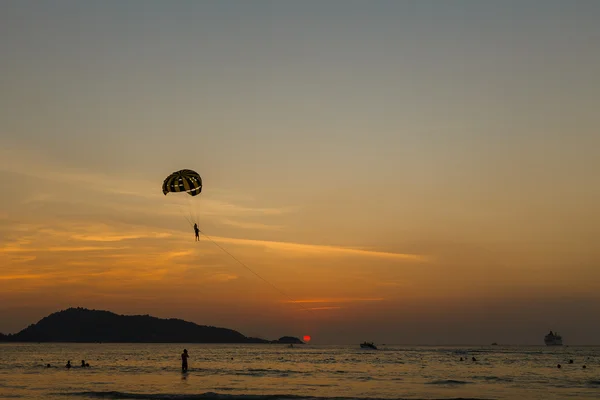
<point x="177" y="253"/>
<point x="218" y="203"/>
<point x="118" y="238"/>
<point x="12" y="249"/>
<point x="83" y="248"/>
<point x="336" y="300"/>
<point x="339" y="300"/>
<point x="22" y="259"/>
<point x="251" y="225"/>
<point x="321" y="308"/>
<point x="223" y="277"/>
<point x="22" y="276"/>
<point x="27" y="164"/>
<point x="321" y="250"/>
<point x="218" y="207"/>
<point x="392" y="283"/>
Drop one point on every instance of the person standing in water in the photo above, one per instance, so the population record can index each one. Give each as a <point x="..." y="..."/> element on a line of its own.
<point x="197" y="232"/>
<point x="184" y="357"/>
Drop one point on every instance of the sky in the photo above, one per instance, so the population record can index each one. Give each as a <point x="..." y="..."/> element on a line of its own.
<point x="396" y="171"/>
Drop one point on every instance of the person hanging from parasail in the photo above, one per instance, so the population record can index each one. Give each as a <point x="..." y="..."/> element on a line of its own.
<point x="184" y="181"/>
<point x="197" y="231"/>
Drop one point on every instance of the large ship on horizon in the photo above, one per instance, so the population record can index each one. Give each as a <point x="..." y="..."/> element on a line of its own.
<point x="553" y="339"/>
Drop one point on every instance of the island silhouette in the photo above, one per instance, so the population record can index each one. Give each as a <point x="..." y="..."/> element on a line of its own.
<point x="81" y="325"/>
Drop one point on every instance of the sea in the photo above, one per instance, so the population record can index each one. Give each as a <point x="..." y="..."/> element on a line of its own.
<point x="312" y="372"/>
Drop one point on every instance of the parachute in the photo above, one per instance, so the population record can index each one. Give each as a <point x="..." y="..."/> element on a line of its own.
<point x="184" y="181"/>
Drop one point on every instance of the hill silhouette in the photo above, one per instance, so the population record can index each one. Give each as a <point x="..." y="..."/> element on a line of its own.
<point x="85" y="326"/>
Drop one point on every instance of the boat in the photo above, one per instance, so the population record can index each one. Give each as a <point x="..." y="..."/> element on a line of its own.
<point x="553" y="339"/>
<point x="366" y="345"/>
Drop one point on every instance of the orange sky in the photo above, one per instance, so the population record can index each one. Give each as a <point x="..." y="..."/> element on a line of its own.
<point x="406" y="181"/>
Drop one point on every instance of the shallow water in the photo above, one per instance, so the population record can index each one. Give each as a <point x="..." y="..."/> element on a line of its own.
<point x="152" y="371"/>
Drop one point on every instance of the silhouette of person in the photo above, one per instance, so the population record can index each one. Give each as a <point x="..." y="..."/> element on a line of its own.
<point x="197" y="232"/>
<point x="68" y="364"/>
<point x="184" y="364"/>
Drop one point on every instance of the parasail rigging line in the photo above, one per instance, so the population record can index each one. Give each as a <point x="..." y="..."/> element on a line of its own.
<point x="256" y="274"/>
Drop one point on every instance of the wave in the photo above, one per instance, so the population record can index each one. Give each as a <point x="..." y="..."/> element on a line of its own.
<point x="494" y="378"/>
<point x="267" y="372"/>
<point x="113" y="395"/>
<point x="7" y="386"/>
<point x="448" y="382"/>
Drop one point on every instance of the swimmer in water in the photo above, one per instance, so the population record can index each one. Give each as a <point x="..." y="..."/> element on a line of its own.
<point x="184" y="364"/>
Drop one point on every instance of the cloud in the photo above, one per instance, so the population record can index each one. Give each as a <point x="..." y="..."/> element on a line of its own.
<point x="118" y="238"/>
<point x="22" y="276"/>
<point x="223" y="277"/>
<point x="251" y="225"/>
<point x="322" y="250"/>
<point x="39" y="198"/>
<point x="213" y="204"/>
<point x="336" y="300"/>
<point x="393" y="283"/>
<point x="12" y="249"/>
<point x="218" y="207"/>
<point x="177" y="253"/>
<point x="22" y="259"/>
<point x="28" y="164"/>
<point x="331" y="301"/>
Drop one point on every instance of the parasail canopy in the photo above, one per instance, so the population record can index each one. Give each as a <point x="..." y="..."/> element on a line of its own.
<point x="184" y="180"/>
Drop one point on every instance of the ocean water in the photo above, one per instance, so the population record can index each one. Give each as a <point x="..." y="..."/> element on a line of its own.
<point x="153" y="371"/>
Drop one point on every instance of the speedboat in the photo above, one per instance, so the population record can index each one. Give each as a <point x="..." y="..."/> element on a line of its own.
<point x="366" y="345"/>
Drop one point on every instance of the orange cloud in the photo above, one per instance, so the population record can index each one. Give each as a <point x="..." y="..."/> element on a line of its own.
<point x="22" y="276"/>
<point x="322" y="250"/>
<point x="22" y="259"/>
<point x="223" y="277"/>
<point x="251" y="225"/>
<point x="336" y="300"/>
<point x="12" y="249"/>
<point x="321" y="308"/>
<point x="177" y="253"/>
<point x="118" y="238"/>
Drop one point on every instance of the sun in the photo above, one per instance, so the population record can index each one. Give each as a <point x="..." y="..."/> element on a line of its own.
<point x="306" y="338"/>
